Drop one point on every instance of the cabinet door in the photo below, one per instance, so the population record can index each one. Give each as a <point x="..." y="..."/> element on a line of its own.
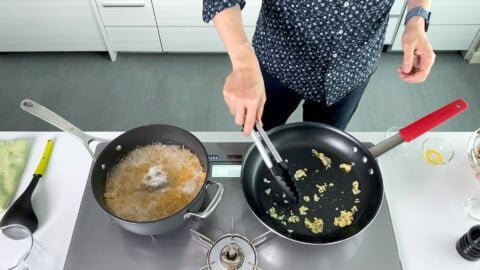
<point x="189" y="12"/>
<point x="397" y="8"/>
<point x="445" y="37"/>
<point x="126" y="12"/>
<point x="194" y="39"/>
<point x="391" y="29"/>
<point x="49" y="25"/>
<point x="134" y="39"/>
<point x="455" y="12"/>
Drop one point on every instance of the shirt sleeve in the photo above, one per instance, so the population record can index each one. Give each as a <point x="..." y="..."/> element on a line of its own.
<point x="213" y="7"/>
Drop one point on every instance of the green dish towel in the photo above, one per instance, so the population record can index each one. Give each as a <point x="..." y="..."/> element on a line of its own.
<point x="13" y="156"/>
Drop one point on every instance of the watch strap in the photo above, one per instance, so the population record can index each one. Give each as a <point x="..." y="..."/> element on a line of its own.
<point x="419" y="11"/>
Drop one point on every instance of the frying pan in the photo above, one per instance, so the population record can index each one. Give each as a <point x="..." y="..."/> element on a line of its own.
<point x="295" y="142"/>
<point x="116" y="149"/>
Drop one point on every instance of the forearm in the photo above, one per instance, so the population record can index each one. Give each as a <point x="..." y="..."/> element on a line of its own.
<point x="230" y="27"/>
<point x="413" y="3"/>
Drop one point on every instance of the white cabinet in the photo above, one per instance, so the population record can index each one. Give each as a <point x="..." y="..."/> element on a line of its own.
<point x="189" y="12"/>
<point x="194" y="39"/>
<point x="182" y="29"/>
<point x="445" y="37"/>
<point x="130" y="25"/>
<point x="391" y="29"/>
<point x="455" y="12"/>
<point x="49" y="25"/>
<point x="126" y="12"/>
<point x="134" y="39"/>
<point x="393" y="22"/>
<point x="397" y="8"/>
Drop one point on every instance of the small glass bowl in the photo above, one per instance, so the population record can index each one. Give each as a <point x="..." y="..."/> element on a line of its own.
<point x="472" y="208"/>
<point x="437" y="151"/>
<point x="474" y="152"/>
<point x="401" y="148"/>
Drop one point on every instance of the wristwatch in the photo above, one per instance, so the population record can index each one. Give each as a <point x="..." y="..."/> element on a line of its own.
<point x="419" y="11"/>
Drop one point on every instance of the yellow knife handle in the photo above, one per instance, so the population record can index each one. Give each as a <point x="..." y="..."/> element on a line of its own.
<point x="42" y="166"/>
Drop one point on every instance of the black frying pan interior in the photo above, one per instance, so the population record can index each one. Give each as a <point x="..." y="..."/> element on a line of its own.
<point x="295" y="143"/>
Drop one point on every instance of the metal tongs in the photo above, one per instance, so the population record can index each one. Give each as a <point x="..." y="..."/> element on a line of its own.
<point x="283" y="179"/>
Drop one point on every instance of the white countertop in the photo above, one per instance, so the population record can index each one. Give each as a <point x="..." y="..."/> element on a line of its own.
<point x="426" y="202"/>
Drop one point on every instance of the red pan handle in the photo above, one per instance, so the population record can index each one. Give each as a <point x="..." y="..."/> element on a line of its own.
<point x="419" y="127"/>
<point x="432" y="120"/>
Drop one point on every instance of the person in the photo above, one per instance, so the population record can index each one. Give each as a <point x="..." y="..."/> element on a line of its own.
<point x="322" y="52"/>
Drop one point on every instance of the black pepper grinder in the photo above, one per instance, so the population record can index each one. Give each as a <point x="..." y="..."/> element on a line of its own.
<point x="468" y="246"/>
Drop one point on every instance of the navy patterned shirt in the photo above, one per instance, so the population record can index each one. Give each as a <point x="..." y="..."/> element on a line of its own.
<point x="321" y="49"/>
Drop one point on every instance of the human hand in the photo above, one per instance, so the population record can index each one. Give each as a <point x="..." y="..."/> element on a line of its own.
<point x="418" y="55"/>
<point x="244" y="93"/>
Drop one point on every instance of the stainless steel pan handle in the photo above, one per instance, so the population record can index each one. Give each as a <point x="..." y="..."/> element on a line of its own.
<point x="47" y="115"/>
<point x="212" y="205"/>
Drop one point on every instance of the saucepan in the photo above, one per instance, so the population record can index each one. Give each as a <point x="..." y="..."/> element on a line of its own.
<point x="116" y="149"/>
<point x="338" y="179"/>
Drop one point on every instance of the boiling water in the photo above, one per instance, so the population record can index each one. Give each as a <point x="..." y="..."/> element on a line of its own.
<point x="153" y="182"/>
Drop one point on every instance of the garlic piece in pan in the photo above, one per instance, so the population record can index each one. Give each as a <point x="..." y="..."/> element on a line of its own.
<point x="322" y="188"/>
<point x="345" y="218"/>
<point x="346" y="168"/>
<point x="273" y="212"/>
<point x="356" y="188"/>
<point x="300" y="175"/>
<point x="316" y="226"/>
<point x="303" y="210"/>
<point x="293" y="219"/>
<point x="326" y="161"/>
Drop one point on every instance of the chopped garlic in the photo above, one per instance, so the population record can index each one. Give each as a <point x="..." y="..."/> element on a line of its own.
<point x="345" y="219"/>
<point x="321" y="188"/>
<point x="346" y="168"/>
<point x="316" y="226"/>
<point x="273" y="212"/>
<point x="284" y="223"/>
<point x="293" y="219"/>
<point x="306" y="198"/>
<point x="316" y="198"/>
<point x="355" y="187"/>
<point x="331" y="185"/>
<point x="303" y="210"/>
<point x="268" y="191"/>
<point x="300" y="175"/>
<point x="290" y="231"/>
<point x="266" y="181"/>
<point x="326" y="161"/>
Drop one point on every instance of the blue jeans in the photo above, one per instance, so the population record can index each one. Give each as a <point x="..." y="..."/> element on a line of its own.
<point x="282" y="102"/>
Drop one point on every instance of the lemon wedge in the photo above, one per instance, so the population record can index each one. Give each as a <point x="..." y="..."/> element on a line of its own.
<point x="433" y="156"/>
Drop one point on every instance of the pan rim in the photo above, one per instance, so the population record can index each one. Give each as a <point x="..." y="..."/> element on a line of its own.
<point x="174" y="215"/>
<point x="315" y="124"/>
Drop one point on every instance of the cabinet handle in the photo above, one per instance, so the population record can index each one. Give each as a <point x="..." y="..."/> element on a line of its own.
<point x="123" y="4"/>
